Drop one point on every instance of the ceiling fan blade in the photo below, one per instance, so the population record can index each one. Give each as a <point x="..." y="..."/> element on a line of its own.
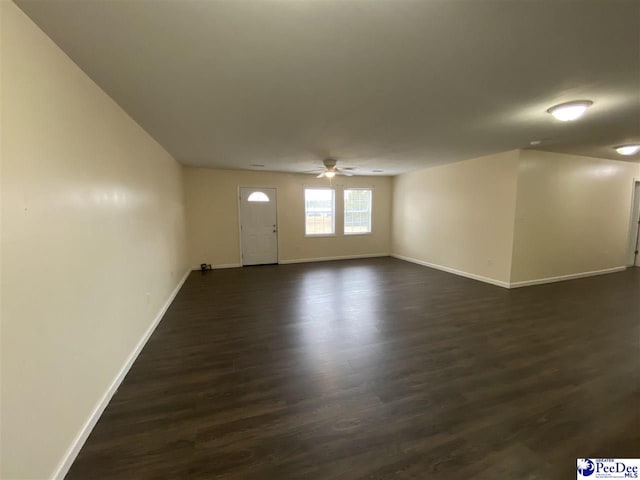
<point x="339" y="171"/>
<point x="321" y="175"/>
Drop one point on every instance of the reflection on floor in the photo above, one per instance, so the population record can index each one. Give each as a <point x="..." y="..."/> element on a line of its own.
<point x="376" y="369"/>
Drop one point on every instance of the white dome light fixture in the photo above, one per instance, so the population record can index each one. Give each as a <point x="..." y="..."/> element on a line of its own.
<point x="627" y="149"/>
<point x="570" y="111"/>
<point x="330" y="174"/>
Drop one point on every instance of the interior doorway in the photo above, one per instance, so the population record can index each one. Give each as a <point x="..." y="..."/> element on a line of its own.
<point x="634" y="231"/>
<point x="258" y="226"/>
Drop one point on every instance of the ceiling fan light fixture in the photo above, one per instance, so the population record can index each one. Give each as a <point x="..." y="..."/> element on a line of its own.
<point x="330" y="174"/>
<point x="627" y="149"/>
<point x="570" y="111"/>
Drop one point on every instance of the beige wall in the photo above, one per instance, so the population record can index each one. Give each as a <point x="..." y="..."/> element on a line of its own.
<point x="1" y="162"/>
<point x="572" y="215"/>
<point x="458" y="216"/>
<point x="519" y="216"/>
<point x="634" y="231"/>
<point x="212" y="216"/>
<point x="92" y="245"/>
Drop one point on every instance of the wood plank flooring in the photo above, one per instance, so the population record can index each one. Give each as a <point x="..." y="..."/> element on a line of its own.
<point x="376" y="369"/>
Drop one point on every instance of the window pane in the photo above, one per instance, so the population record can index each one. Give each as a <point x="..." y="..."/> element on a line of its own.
<point x="319" y="207"/>
<point x="357" y="211"/>
<point x="258" y="197"/>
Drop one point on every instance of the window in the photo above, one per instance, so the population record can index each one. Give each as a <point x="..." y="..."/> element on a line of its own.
<point x="319" y="211"/>
<point x="357" y="211"/>
<point x="258" y="197"/>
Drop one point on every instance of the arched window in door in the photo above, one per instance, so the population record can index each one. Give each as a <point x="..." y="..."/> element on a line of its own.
<point x="258" y="197"/>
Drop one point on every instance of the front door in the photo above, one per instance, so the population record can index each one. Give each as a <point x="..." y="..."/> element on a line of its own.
<point x="258" y="226"/>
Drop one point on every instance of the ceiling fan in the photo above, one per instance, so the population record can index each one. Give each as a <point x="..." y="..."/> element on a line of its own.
<point x="330" y="169"/>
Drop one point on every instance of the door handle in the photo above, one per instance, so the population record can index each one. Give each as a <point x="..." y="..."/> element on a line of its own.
<point x="275" y="228"/>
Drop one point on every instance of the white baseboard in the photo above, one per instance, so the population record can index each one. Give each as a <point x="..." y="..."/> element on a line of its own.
<point x="219" y="266"/>
<point x="540" y="281"/>
<point x="499" y="283"/>
<point x="72" y="452"/>
<point x="472" y="276"/>
<point x="302" y="260"/>
<point x="329" y="259"/>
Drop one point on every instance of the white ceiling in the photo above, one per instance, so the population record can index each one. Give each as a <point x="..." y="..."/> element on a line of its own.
<point x="377" y="84"/>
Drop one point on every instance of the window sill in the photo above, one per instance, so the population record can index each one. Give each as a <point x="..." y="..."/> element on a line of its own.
<point x="357" y="234"/>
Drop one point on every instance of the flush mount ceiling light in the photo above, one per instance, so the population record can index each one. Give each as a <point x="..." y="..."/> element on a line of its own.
<point x="628" y="149"/>
<point x="569" y="111"/>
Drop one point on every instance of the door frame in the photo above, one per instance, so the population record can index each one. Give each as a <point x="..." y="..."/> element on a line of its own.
<point x="239" y="201"/>
<point x="633" y="222"/>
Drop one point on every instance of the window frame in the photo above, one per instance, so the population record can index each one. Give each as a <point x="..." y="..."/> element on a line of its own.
<point x="344" y="213"/>
<point x="333" y="217"/>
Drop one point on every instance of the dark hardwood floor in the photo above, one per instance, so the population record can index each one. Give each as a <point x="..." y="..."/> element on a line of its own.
<point x="376" y="369"/>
